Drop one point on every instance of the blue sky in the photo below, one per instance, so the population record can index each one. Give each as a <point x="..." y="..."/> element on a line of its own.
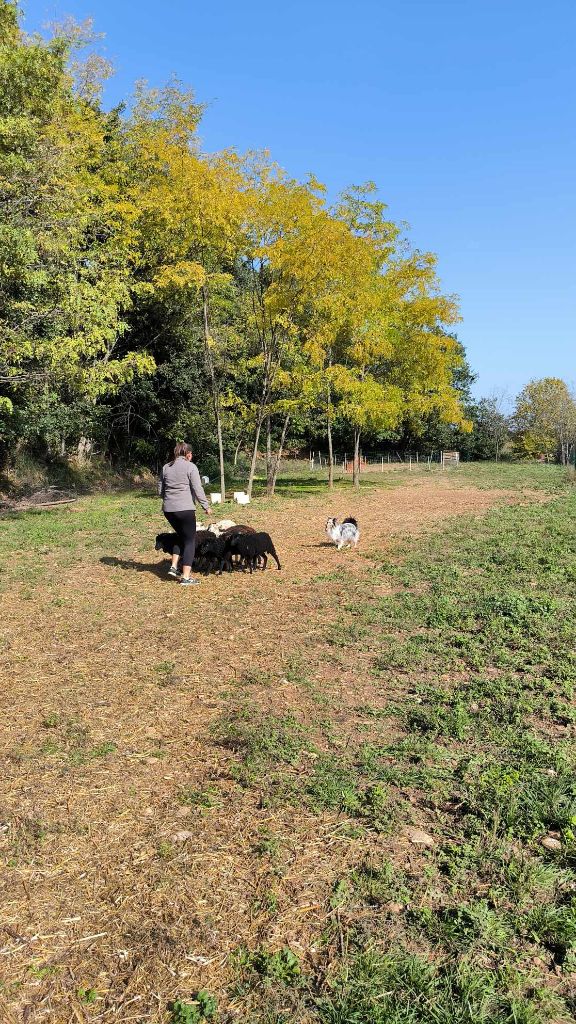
<point x="462" y="112"/>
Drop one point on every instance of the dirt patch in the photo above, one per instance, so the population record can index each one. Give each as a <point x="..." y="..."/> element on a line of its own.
<point x="116" y="879"/>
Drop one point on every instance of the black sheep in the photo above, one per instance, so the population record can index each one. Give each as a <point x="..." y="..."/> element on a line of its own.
<point x="251" y="547"/>
<point x="215" y="555"/>
<point x="204" y="555"/>
<point x="165" y="542"/>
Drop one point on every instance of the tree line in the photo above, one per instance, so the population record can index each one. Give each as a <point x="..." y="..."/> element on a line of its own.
<point x="541" y="425"/>
<point x="150" y="291"/>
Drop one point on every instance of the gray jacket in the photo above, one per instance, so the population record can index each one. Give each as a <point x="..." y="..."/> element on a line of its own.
<point x="180" y="487"/>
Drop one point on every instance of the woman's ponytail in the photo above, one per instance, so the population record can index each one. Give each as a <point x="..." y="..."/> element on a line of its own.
<point x="181" y="449"/>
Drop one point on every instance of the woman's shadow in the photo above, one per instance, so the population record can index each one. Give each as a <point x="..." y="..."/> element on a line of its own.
<point x="156" y="568"/>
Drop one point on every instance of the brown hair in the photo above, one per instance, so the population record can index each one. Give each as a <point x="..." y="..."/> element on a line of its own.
<point x="181" y="449"/>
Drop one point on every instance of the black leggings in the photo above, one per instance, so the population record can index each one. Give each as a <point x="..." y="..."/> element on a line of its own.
<point x="184" y="524"/>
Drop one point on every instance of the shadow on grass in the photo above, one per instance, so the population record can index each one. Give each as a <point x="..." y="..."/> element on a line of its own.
<point x="158" y="569"/>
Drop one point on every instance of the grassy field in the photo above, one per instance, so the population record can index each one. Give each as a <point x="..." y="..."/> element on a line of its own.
<point x="297" y="477"/>
<point x="340" y="794"/>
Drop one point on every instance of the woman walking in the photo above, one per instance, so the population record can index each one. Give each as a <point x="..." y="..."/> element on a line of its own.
<point x="181" y="488"/>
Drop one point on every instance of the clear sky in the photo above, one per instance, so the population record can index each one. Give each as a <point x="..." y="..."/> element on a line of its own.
<point x="462" y="112"/>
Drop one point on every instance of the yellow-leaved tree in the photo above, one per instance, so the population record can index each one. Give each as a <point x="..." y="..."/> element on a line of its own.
<point x="279" y="216"/>
<point x="376" y="329"/>
<point x="191" y="222"/>
<point x="545" y="420"/>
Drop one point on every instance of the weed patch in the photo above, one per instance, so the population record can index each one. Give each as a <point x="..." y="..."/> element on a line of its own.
<point x="201" y="1008"/>
<point x="404" y="988"/>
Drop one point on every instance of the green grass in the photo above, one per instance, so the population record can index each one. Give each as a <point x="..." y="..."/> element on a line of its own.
<point x="517" y="476"/>
<point x="281" y="966"/>
<point x="400" y="987"/>
<point x="298" y="479"/>
<point x="483" y="632"/>
<point x="341" y="784"/>
<point x="261" y="746"/>
<point x="477" y="645"/>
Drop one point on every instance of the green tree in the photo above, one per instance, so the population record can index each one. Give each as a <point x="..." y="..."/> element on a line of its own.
<point x="545" y="420"/>
<point x="491" y="428"/>
<point x="66" y="244"/>
<point x="67" y="249"/>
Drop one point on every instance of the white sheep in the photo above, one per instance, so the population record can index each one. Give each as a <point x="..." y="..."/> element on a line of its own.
<point x="218" y="528"/>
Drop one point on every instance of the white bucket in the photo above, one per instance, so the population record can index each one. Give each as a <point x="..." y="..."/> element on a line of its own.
<point x="216" y="498"/>
<point x="239" y="494"/>
<point x="243" y="499"/>
<point x="205" y="479"/>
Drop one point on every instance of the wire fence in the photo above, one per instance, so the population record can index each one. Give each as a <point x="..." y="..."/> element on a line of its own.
<point x="374" y="461"/>
<point x="370" y="462"/>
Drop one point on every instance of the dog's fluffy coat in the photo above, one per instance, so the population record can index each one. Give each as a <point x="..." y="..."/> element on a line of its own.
<point x="345" y="533"/>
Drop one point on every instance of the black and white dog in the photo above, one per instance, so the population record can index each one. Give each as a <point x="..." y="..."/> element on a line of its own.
<point x="345" y="533"/>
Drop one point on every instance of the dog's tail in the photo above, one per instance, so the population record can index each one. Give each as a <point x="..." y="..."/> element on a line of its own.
<point x="351" y="520"/>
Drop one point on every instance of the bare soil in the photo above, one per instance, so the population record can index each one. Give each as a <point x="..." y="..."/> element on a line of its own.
<point x="113" y="677"/>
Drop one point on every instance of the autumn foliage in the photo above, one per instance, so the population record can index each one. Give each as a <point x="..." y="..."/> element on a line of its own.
<point x="149" y="289"/>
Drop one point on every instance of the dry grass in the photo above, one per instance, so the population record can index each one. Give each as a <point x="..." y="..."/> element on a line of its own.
<point x="134" y="860"/>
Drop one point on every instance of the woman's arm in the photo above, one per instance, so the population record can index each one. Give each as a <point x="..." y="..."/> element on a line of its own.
<point x="196" y="487"/>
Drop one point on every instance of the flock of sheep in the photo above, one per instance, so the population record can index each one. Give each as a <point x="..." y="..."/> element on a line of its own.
<point x="225" y="546"/>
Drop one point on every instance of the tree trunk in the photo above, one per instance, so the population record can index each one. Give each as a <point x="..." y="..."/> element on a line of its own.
<point x="264" y="399"/>
<point x="215" y="391"/>
<point x="237" y="451"/>
<point x="330" y="455"/>
<point x="254" y="454"/>
<point x="356" y="467"/>
<point x="329" y="430"/>
<point x="85" y="447"/>
<point x="279" y="455"/>
<point x="220" y="451"/>
<point x="269" y="460"/>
